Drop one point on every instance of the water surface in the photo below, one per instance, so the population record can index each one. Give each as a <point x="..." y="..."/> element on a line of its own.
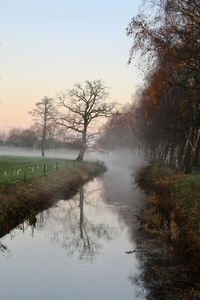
<point x="76" y="250"/>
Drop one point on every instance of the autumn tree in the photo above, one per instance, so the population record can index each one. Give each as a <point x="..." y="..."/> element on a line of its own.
<point x="43" y="114"/>
<point x="169" y="40"/>
<point x="80" y="106"/>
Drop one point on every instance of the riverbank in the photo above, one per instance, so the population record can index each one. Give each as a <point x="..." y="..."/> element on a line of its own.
<point x="171" y="216"/>
<point x="24" y="199"/>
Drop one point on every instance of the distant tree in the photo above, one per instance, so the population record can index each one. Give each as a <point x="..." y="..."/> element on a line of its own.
<point x="14" y="137"/>
<point x="119" y="131"/>
<point x="29" y="138"/>
<point x="80" y="106"/>
<point x="3" y="138"/>
<point x="43" y="115"/>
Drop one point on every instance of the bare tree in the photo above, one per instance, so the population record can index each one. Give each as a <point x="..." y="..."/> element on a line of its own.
<point x="80" y="106"/>
<point x="43" y="115"/>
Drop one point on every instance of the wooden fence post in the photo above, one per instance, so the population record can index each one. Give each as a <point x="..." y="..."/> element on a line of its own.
<point x="45" y="169"/>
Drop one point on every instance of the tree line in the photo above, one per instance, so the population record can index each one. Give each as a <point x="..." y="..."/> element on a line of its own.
<point x="164" y="119"/>
<point x="70" y="116"/>
<point x="32" y="138"/>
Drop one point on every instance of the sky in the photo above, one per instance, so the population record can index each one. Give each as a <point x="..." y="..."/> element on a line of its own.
<point x="48" y="45"/>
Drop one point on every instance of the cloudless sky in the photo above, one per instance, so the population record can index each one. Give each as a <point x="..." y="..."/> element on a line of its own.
<point x="47" y="45"/>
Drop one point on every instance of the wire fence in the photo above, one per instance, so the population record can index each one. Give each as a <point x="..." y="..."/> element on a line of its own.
<point x="27" y="171"/>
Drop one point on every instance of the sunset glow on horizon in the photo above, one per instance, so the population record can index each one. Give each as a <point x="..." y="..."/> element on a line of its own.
<point x="47" y="46"/>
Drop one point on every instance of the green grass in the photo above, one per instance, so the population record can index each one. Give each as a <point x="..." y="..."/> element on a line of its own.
<point x="14" y="168"/>
<point x="160" y="171"/>
<point x="186" y="191"/>
<point x="196" y="171"/>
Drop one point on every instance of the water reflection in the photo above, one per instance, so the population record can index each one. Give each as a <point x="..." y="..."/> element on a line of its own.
<point x="76" y="229"/>
<point x="83" y="231"/>
<point x="90" y="234"/>
<point x="3" y="248"/>
<point x="79" y="225"/>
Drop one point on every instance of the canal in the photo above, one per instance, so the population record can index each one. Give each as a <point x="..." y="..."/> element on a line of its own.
<point x="77" y="249"/>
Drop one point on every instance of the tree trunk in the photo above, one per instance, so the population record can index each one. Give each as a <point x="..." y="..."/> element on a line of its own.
<point x="81" y="211"/>
<point x="168" y="154"/>
<point x="43" y="143"/>
<point x="185" y="150"/>
<point x="44" y="135"/>
<point x="193" y="152"/>
<point x="175" y="158"/>
<point x="83" y="146"/>
<point x="34" y="146"/>
<point x="172" y="156"/>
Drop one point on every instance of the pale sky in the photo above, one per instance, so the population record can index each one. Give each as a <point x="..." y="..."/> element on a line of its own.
<point x="47" y="45"/>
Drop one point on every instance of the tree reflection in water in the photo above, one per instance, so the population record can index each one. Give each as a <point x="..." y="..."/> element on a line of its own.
<point x="3" y="247"/>
<point x="73" y="230"/>
<point x="81" y="227"/>
<point x="4" y="250"/>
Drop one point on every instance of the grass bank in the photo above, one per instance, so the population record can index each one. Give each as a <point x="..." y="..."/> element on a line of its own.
<point x="22" y="198"/>
<point x="172" y="216"/>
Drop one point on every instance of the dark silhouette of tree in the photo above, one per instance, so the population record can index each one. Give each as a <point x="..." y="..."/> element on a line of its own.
<point x="43" y="114"/>
<point x="78" y="234"/>
<point x="80" y="106"/>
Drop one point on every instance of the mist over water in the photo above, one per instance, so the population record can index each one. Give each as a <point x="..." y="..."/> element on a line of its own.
<point x="119" y="178"/>
<point x="77" y="248"/>
<point x="124" y="157"/>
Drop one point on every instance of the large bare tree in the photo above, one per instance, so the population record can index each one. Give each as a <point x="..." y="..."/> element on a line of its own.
<point x="43" y="114"/>
<point x="80" y="106"/>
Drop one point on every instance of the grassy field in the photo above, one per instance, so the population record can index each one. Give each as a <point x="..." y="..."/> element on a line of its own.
<point x="16" y="168"/>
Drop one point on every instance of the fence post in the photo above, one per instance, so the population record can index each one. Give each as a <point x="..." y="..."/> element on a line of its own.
<point x="45" y="169"/>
